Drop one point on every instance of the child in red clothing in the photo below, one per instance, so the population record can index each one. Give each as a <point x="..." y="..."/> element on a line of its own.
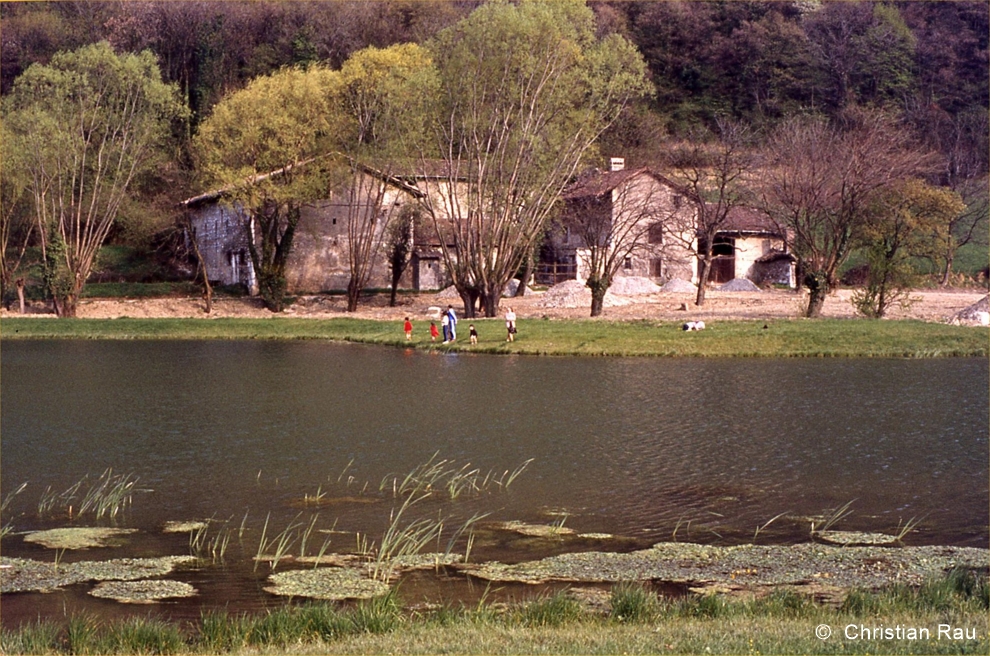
<point x="407" y="326"/>
<point x="434" y="333"/>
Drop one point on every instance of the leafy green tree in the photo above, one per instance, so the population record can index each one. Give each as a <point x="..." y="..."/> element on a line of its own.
<point x="386" y="95"/>
<point x="527" y="88"/>
<point x="16" y="223"/>
<point x="88" y="125"/>
<point x="267" y="147"/>
<point x="907" y="220"/>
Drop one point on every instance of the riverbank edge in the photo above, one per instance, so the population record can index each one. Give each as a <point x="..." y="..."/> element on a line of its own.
<point x="639" y="337"/>
<point x="945" y="615"/>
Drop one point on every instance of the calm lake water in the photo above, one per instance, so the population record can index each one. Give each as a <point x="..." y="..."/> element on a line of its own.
<point x="638" y="448"/>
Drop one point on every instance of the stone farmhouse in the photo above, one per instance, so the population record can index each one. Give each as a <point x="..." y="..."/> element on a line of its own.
<point x="319" y="258"/>
<point x="658" y="215"/>
<point x="644" y="205"/>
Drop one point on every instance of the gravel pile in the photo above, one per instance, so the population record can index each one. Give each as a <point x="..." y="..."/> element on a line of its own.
<point x="678" y="286"/>
<point x="633" y="286"/>
<point x="971" y="314"/>
<point x="510" y="289"/>
<point x="739" y="285"/>
<point x="574" y="294"/>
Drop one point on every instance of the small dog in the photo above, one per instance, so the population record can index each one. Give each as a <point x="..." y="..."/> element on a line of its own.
<point x="694" y="325"/>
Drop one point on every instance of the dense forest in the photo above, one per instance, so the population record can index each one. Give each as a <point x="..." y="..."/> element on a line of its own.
<point x="754" y="63"/>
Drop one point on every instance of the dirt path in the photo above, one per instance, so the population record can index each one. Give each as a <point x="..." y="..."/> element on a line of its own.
<point x="927" y="305"/>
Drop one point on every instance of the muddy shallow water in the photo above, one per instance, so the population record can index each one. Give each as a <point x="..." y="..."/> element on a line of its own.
<point x="640" y="449"/>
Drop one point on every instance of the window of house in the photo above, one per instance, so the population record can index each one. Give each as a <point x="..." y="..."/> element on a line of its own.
<point x="656" y="267"/>
<point x="678" y="201"/>
<point x="655" y="234"/>
<point x="627" y="264"/>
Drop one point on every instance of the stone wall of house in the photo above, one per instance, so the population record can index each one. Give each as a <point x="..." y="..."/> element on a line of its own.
<point x="750" y="249"/>
<point x="221" y="234"/>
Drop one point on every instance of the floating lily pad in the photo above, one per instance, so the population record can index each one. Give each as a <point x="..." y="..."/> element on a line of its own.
<point x="22" y="575"/>
<point x="534" y="530"/>
<point x="425" y="561"/>
<point x="308" y="502"/>
<point x="849" y="538"/>
<point x="745" y="565"/>
<point x="326" y="583"/>
<point x="142" y="592"/>
<point x="184" y="527"/>
<point x="79" y="537"/>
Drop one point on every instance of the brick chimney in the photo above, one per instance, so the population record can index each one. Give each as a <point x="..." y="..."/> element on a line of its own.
<point x="617" y="163"/>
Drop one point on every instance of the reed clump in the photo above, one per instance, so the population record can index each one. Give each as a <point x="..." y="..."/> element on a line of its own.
<point x="107" y="496"/>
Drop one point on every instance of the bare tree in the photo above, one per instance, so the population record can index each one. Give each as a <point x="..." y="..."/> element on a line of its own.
<point x="615" y="221"/>
<point x="398" y="246"/>
<point x="819" y="181"/>
<point x="711" y="174"/>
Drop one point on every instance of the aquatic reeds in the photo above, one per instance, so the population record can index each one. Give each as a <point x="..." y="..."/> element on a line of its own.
<point x="768" y="523"/>
<point x="9" y="526"/>
<point x="206" y="545"/>
<point x="834" y="516"/>
<point x="402" y="539"/>
<point x="444" y="475"/>
<point x="277" y="548"/>
<point x="106" y="497"/>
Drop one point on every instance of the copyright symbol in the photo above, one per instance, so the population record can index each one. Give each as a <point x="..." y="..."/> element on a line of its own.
<point x="823" y="631"/>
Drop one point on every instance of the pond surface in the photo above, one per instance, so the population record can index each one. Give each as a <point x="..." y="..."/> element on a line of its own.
<point x="646" y="449"/>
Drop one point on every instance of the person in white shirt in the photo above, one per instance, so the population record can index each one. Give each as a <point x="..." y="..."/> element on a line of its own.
<point x="510" y="324"/>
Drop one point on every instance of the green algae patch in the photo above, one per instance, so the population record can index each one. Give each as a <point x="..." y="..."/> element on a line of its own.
<point x="855" y="538"/>
<point x="184" y="527"/>
<point x="424" y="561"/>
<point x="335" y="584"/>
<point x="745" y="565"/>
<point x="80" y="537"/>
<point x="143" y="592"/>
<point x="25" y="575"/>
<point x="533" y="530"/>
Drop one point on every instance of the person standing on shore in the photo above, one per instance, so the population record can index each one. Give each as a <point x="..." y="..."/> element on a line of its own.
<point x="433" y="331"/>
<point x="445" y="324"/>
<point x="452" y="323"/>
<point x="407" y="326"/>
<point x="510" y="325"/>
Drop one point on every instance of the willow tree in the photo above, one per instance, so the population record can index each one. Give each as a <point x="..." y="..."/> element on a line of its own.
<point x="385" y="98"/>
<point x="526" y="89"/>
<point x="820" y="182"/>
<point x="266" y="147"/>
<point x="87" y="125"/>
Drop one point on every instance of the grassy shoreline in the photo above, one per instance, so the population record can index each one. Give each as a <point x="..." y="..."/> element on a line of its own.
<point x="777" y="338"/>
<point x="632" y="619"/>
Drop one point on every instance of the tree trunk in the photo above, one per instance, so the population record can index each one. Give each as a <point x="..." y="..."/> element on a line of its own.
<point x="490" y="304"/>
<point x="65" y="306"/>
<point x="947" y="271"/>
<point x="524" y="278"/>
<point x="20" y="294"/>
<point x="353" y="295"/>
<point x="598" y="289"/>
<point x="817" y="284"/>
<point x="703" y="275"/>
<point x="469" y="297"/>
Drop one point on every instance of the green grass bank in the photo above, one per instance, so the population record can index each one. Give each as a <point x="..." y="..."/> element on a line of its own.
<point x="780" y="338"/>
<point x="947" y="616"/>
